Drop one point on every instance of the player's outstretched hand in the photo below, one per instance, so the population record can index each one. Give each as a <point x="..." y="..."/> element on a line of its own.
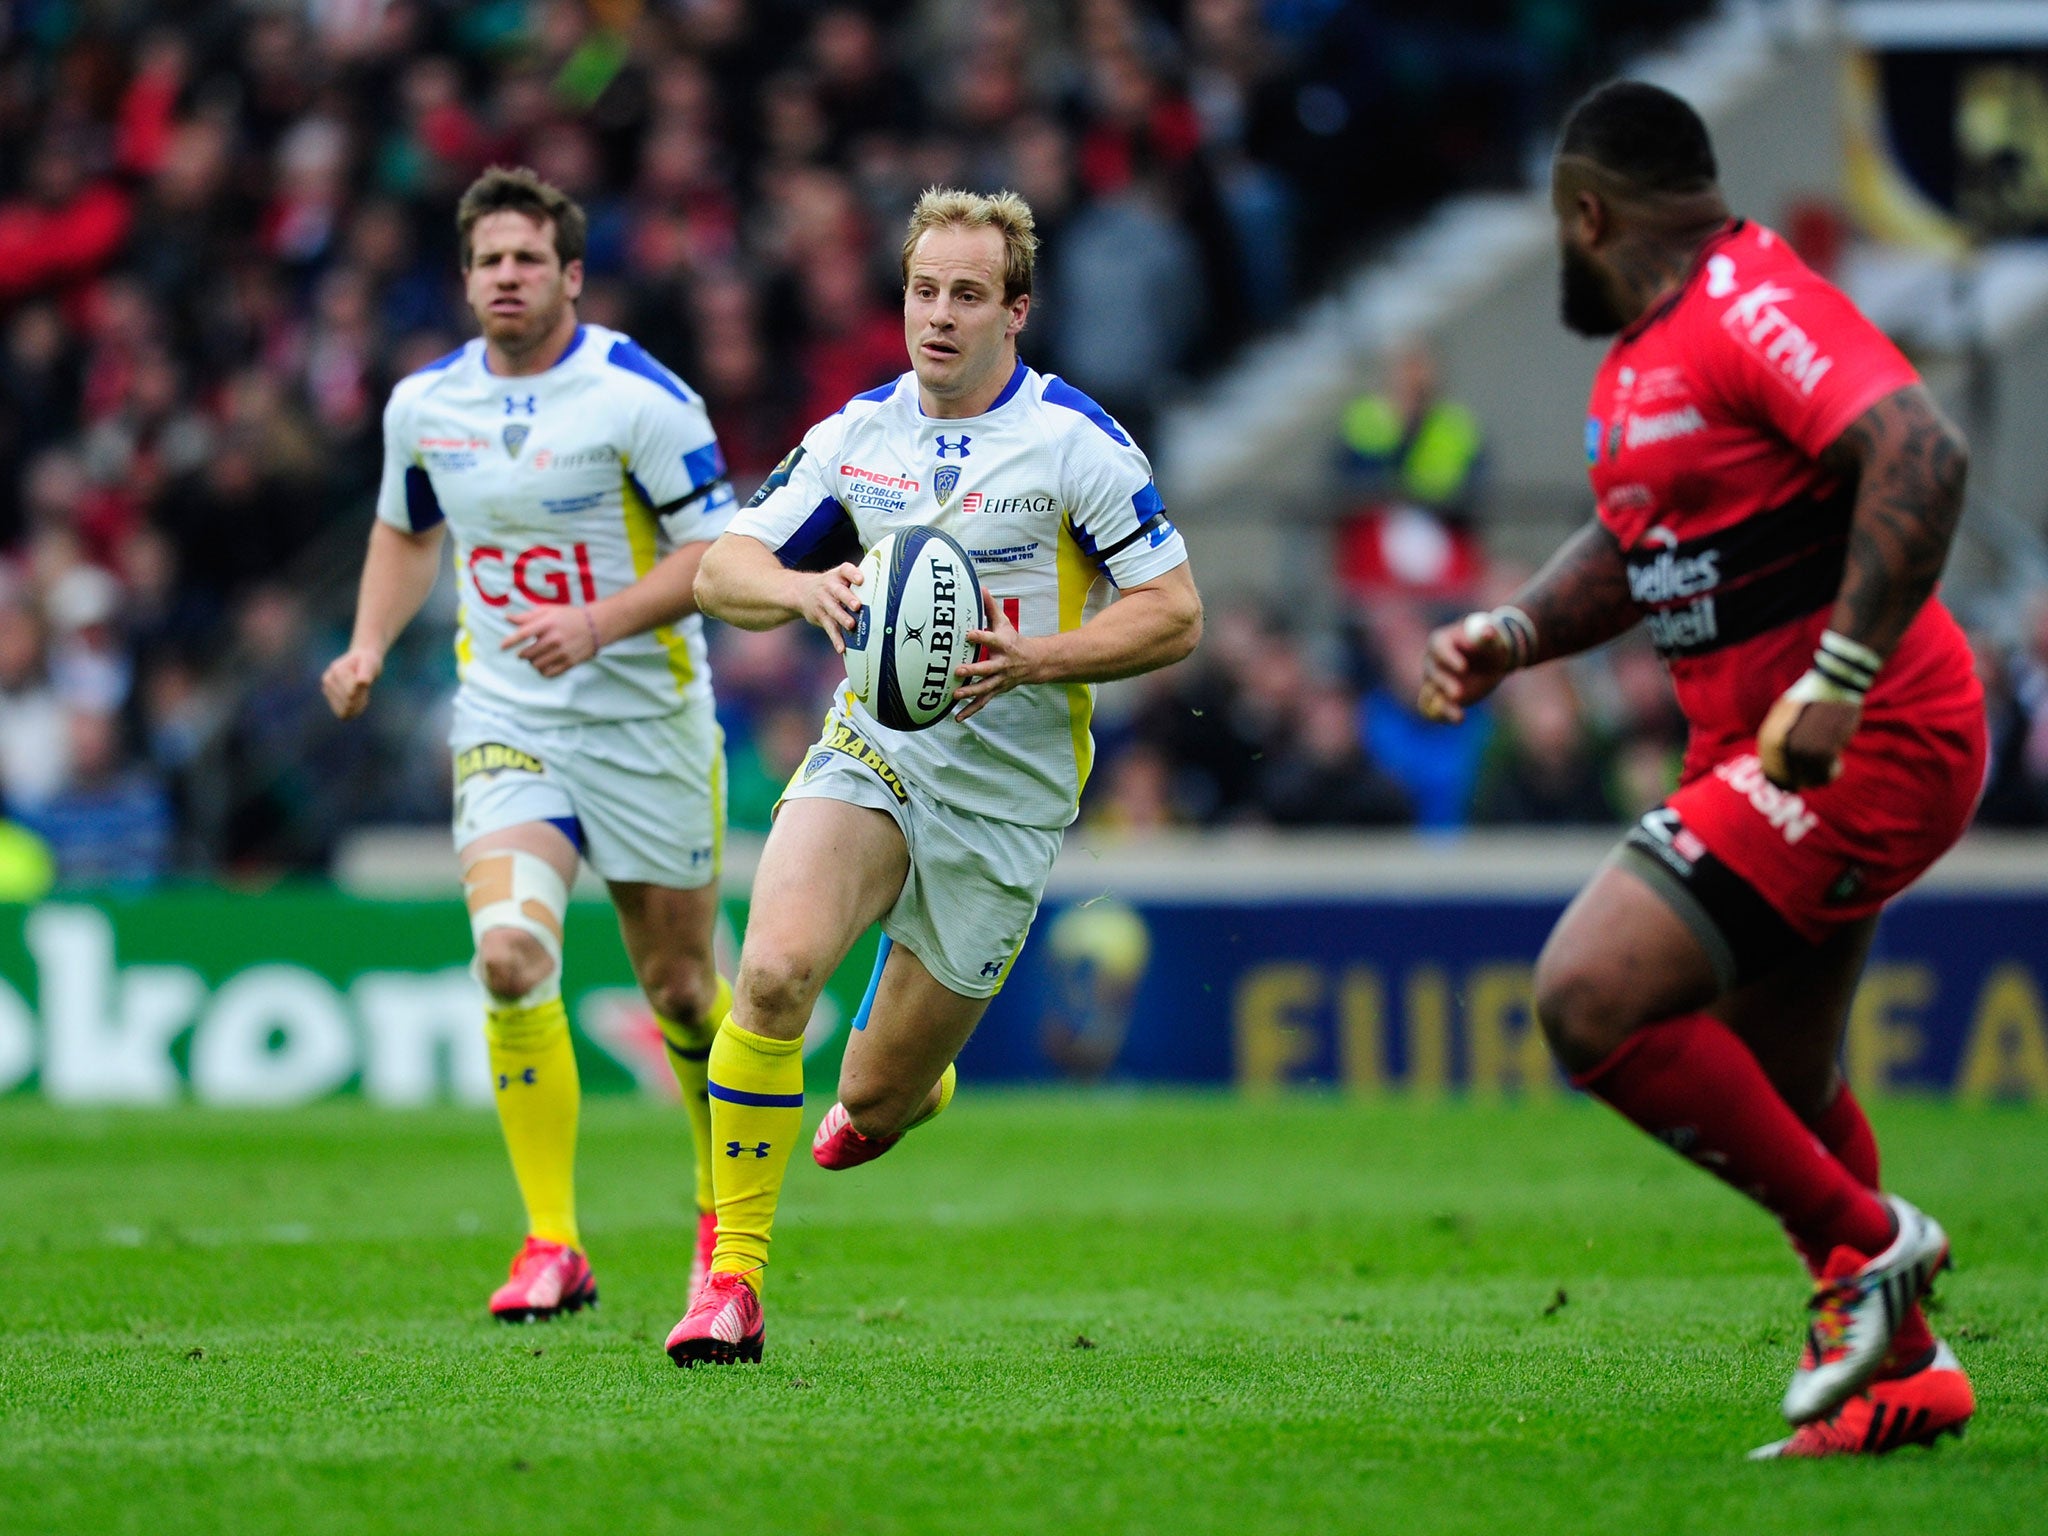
<point x="1463" y="663"/>
<point x="1801" y="743"/>
<point x="830" y="603"/>
<point x="553" y="637"/>
<point x="1004" y="662"/>
<point x="347" y="681"/>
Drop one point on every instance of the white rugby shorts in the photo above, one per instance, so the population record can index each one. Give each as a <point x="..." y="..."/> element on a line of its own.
<point x="643" y="800"/>
<point x="974" y="882"/>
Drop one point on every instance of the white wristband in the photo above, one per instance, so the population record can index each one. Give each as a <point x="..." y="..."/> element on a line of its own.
<point x="1850" y="665"/>
<point x="1517" y="631"/>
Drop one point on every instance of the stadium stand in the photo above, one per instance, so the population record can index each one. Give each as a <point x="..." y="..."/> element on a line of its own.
<point x="227" y="232"/>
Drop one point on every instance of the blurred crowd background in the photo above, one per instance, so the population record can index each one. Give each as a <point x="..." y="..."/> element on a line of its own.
<point x="225" y="230"/>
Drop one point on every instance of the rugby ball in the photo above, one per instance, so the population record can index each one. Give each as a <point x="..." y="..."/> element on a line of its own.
<point x="919" y="596"/>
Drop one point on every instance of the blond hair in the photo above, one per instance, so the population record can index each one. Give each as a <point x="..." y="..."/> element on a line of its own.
<point x="1006" y="212"/>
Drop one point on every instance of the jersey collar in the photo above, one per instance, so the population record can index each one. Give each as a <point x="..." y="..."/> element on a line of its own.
<point x="1009" y="392"/>
<point x="1665" y="305"/>
<point x="567" y="352"/>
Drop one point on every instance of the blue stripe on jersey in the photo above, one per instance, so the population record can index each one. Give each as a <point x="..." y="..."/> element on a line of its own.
<point x="1016" y="383"/>
<point x="422" y="506"/>
<point x="1147" y="502"/>
<point x="879" y="393"/>
<point x="704" y="465"/>
<point x="1059" y="392"/>
<point x="628" y="354"/>
<point x="825" y="516"/>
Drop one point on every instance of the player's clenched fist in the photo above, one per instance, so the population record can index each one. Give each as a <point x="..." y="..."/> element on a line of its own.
<point x="347" y="681"/>
<point x="1464" y="662"/>
<point x="553" y="637"/>
<point x="827" y="599"/>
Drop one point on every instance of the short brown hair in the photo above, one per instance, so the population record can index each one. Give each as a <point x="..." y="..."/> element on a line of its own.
<point x="516" y="189"/>
<point x="1006" y="212"/>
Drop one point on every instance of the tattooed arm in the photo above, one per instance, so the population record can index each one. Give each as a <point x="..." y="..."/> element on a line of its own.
<point x="1578" y="600"/>
<point x="1909" y="464"/>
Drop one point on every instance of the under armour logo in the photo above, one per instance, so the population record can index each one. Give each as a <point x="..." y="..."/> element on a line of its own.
<point x="740" y="1148"/>
<point x="530" y="404"/>
<point x="528" y="1077"/>
<point x="959" y="447"/>
<point x="992" y="968"/>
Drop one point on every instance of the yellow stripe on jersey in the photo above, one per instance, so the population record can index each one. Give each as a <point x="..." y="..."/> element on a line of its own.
<point x="465" y="652"/>
<point x="1077" y="575"/>
<point x="643" y="539"/>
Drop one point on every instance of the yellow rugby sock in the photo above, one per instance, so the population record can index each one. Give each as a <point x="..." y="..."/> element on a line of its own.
<point x="948" y="1081"/>
<point x="533" y="1067"/>
<point x="689" y="1057"/>
<point x="757" y="1114"/>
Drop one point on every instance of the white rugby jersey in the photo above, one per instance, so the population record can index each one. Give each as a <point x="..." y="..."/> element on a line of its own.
<point x="560" y="487"/>
<point x="1054" y="503"/>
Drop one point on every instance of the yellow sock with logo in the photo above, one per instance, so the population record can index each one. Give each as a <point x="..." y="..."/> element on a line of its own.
<point x="757" y="1114"/>
<point x="689" y="1057"/>
<point x="533" y="1068"/>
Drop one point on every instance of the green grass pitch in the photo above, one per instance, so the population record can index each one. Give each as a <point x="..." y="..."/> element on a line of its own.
<point x="1044" y="1313"/>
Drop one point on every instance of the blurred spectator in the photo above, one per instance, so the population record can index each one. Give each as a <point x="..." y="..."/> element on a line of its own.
<point x="215" y="262"/>
<point x="1438" y="765"/>
<point x="2016" y="705"/>
<point x="1323" y="777"/>
<point x="1543" y="767"/>
<point x="1131" y="302"/>
<point x="35" y="751"/>
<point x="110" y="825"/>
<point x="1412" y="460"/>
<point x="89" y="665"/>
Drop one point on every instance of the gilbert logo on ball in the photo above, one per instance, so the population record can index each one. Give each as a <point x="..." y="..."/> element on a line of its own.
<point x="919" y="598"/>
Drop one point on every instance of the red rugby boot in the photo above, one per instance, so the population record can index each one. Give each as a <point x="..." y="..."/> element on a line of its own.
<point x="1919" y="1409"/>
<point x="838" y="1145"/>
<point x="1857" y="1306"/>
<point x="722" y="1325"/>
<point x="548" y="1279"/>
<point x="707" y="1243"/>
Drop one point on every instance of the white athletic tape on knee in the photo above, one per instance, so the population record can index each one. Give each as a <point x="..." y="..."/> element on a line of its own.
<point x="517" y="889"/>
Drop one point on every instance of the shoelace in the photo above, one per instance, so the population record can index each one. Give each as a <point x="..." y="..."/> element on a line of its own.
<point x="1831" y="1304"/>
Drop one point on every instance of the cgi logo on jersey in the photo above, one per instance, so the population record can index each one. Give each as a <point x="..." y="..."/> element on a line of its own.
<point x="539" y="574"/>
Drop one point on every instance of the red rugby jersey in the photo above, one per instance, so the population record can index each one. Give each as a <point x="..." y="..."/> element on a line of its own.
<point x="1704" y="434"/>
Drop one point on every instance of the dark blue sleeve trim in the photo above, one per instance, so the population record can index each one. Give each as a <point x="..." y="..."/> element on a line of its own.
<point x="704" y="465"/>
<point x="879" y="393"/>
<point x="422" y="506"/>
<point x="631" y="356"/>
<point x="826" y="516"/>
<point x="1059" y="392"/>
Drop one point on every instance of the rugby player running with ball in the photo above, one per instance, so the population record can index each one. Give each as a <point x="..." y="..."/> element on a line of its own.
<point x="945" y="836"/>
<point x="1775" y="497"/>
<point x="583" y="484"/>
